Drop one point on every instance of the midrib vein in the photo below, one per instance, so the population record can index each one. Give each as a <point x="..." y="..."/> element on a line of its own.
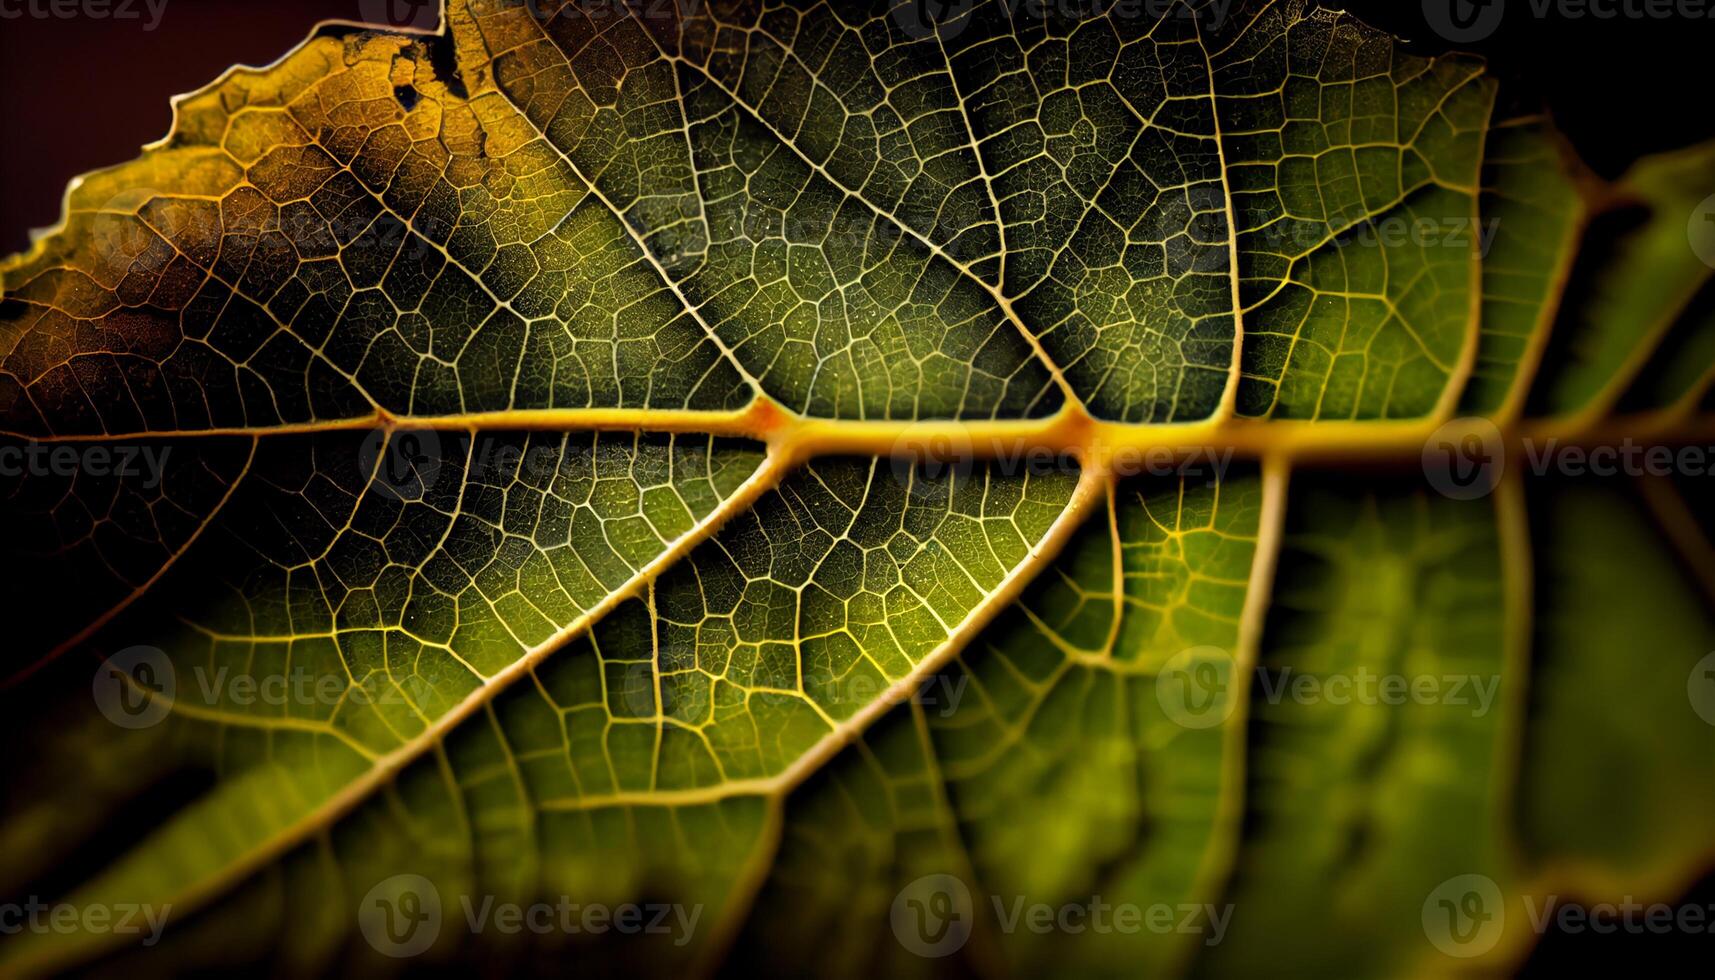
<point x="1071" y="429"/>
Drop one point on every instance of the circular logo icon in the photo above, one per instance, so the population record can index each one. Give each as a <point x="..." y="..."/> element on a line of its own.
<point x="1195" y="687"/>
<point x="403" y="464"/>
<point x="1464" y="21"/>
<point x="637" y="689"/>
<point x="401" y="915"/>
<point x="1701" y="231"/>
<point x="120" y="240"/>
<point x="1700" y="688"/>
<point x="401" y="15"/>
<point x="932" y="916"/>
<point x="1464" y="459"/>
<point x="927" y="18"/>
<point x="1464" y="916"/>
<point x="929" y="465"/>
<point x="134" y="688"/>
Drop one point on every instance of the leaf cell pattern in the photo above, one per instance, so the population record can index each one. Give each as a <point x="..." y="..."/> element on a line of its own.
<point x="708" y="457"/>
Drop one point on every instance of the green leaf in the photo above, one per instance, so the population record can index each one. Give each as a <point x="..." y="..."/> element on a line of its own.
<point x="1387" y="687"/>
<point x="1635" y="276"/>
<point x="887" y="491"/>
<point x="1611" y="690"/>
<point x="1073" y="695"/>
<point x="1532" y="214"/>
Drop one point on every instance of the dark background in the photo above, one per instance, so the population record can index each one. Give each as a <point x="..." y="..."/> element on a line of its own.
<point x="83" y="93"/>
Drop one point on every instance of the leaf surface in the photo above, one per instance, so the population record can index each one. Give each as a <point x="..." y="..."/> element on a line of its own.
<point x="778" y="461"/>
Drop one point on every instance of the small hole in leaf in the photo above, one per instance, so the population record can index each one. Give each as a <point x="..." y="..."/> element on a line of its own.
<point x="406" y="95"/>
